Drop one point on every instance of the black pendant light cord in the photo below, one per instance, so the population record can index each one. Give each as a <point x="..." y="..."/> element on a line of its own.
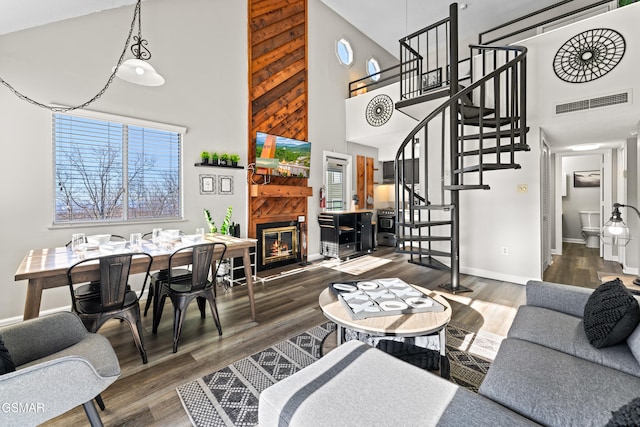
<point x="56" y="109"/>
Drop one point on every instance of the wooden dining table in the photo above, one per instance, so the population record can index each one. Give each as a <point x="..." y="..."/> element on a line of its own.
<point x="47" y="268"/>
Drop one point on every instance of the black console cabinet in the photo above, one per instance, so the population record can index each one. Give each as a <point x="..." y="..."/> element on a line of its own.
<point x="345" y="233"/>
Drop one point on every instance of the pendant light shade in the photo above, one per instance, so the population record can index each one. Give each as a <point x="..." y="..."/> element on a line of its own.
<point x="139" y="72"/>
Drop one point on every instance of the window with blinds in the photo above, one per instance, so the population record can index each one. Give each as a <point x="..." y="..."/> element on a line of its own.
<point x="335" y="185"/>
<point x="109" y="171"/>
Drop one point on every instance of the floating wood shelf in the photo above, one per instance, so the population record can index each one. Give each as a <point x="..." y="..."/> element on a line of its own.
<point x="280" y="191"/>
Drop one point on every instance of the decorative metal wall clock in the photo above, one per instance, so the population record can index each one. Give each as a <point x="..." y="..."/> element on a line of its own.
<point x="589" y="55"/>
<point x="379" y="110"/>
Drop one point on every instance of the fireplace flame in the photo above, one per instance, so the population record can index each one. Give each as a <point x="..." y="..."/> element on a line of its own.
<point x="279" y="248"/>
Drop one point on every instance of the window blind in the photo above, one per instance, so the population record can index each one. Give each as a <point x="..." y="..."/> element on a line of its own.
<point x="114" y="171"/>
<point x="335" y="184"/>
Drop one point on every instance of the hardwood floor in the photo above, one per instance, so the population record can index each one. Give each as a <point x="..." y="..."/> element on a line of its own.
<point x="579" y="266"/>
<point x="145" y="395"/>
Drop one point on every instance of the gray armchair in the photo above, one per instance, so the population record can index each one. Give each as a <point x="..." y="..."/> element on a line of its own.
<point x="59" y="365"/>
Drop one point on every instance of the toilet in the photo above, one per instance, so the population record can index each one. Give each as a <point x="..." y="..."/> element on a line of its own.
<point x="590" y="223"/>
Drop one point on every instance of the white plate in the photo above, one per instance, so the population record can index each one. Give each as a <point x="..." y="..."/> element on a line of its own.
<point x="419" y="302"/>
<point x="393" y="305"/>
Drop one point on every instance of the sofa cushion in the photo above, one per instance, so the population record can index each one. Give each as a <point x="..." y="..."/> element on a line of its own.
<point x="634" y="343"/>
<point x="555" y="388"/>
<point x="611" y="314"/>
<point x="356" y="384"/>
<point x="628" y="415"/>
<point x="6" y="363"/>
<point x="565" y="333"/>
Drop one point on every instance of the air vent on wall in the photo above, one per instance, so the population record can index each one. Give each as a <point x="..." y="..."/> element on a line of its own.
<point x="587" y="104"/>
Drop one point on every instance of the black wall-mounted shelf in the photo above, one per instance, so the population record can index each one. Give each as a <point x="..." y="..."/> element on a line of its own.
<point x="218" y="166"/>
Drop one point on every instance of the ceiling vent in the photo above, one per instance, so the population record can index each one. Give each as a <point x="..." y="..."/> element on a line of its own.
<point x="588" y="104"/>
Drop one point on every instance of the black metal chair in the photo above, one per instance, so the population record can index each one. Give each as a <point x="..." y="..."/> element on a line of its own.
<point x="159" y="276"/>
<point x="183" y="290"/>
<point x="92" y="289"/>
<point x="115" y="299"/>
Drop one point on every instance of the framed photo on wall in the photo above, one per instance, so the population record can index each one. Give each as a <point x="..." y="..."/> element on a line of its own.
<point x="225" y="184"/>
<point x="207" y="184"/>
<point x="431" y="79"/>
<point x="586" y="178"/>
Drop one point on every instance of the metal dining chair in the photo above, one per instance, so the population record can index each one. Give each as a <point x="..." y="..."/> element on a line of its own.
<point x="92" y="289"/>
<point x="183" y="290"/>
<point x="115" y="299"/>
<point x="161" y="275"/>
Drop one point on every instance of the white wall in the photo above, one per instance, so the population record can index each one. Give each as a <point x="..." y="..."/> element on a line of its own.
<point x="200" y="47"/>
<point x="328" y="88"/>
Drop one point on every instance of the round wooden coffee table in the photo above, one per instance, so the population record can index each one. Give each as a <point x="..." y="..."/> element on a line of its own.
<point x="404" y="325"/>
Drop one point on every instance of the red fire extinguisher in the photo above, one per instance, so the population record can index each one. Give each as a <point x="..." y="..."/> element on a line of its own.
<point x="323" y="197"/>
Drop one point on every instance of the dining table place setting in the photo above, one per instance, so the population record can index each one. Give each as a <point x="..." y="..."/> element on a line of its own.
<point x="46" y="268"/>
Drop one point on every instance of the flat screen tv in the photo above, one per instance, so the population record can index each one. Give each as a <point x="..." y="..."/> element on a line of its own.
<point x="280" y="156"/>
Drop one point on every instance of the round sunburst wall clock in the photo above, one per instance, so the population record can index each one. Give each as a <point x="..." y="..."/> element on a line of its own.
<point x="379" y="110"/>
<point x="589" y="55"/>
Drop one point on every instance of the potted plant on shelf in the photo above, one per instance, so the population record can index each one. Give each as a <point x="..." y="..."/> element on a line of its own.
<point x="214" y="158"/>
<point x="224" y="159"/>
<point x="234" y="159"/>
<point x="205" y="157"/>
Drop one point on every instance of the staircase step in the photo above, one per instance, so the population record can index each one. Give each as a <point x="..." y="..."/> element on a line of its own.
<point x="492" y="135"/>
<point x="467" y="187"/>
<point x="431" y="263"/>
<point x="491" y="122"/>
<point x="471" y="111"/>
<point x="504" y="149"/>
<point x="421" y="224"/>
<point x="422" y="252"/>
<point x="434" y="207"/>
<point x="488" y="167"/>
<point x="424" y="239"/>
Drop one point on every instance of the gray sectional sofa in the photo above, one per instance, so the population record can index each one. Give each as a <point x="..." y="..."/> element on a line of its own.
<point x="546" y="372"/>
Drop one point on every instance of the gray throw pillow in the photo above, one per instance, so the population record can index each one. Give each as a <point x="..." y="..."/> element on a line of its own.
<point x="610" y="315"/>
<point x="6" y="363"/>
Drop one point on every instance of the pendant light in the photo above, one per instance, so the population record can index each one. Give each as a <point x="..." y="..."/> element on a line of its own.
<point x="137" y="70"/>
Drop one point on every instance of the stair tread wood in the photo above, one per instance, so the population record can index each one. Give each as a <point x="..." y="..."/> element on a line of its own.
<point x="488" y="167"/>
<point x="505" y="133"/>
<point x="467" y="187"/>
<point x="418" y="224"/>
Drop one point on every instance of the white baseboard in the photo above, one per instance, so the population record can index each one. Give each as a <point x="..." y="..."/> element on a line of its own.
<point x="16" y="319"/>
<point x="631" y="271"/>
<point x="578" y="241"/>
<point x="511" y="278"/>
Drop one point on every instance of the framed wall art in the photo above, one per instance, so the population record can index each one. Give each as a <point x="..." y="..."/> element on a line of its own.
<point x="432" y="79"/>
<point x="586" y="178"/>
<point x="207" y="184"/>
<point x="225" y="184"/>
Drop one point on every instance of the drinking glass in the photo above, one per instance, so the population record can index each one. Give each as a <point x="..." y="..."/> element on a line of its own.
<point x="78" y="241"/>
<point x="199" y="234"/>
<point x="135" y="241"/>
<point x="156" y="236"/>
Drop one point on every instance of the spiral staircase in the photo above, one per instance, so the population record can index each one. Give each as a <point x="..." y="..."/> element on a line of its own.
<point x="478" y="129"/>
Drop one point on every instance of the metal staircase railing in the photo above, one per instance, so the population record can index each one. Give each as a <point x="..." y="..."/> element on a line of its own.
<point x="478" y="129"/>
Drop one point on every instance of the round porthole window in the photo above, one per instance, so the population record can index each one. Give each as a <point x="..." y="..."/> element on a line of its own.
<point x="373" y="69"/>
<point x="344" y="52"/>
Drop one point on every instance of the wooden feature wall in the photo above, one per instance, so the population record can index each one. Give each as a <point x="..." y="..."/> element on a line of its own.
<point x="277" y="102"/>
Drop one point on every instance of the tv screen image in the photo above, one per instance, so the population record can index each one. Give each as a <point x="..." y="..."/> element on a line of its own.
<point x="280" y="156"/>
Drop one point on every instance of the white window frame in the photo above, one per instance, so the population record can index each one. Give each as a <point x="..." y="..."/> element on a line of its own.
<point x="344" y="42"/>
<point x="125" y="121"/>
<point x="373" y="62"/>
<point x="348" y="175"/>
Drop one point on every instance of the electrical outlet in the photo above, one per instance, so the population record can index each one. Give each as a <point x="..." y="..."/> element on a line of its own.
<point x="522" y="188"/>
<point x="505" y="250"/>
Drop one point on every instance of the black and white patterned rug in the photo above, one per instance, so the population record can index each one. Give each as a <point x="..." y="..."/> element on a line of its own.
<point x="229" y="397"/>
